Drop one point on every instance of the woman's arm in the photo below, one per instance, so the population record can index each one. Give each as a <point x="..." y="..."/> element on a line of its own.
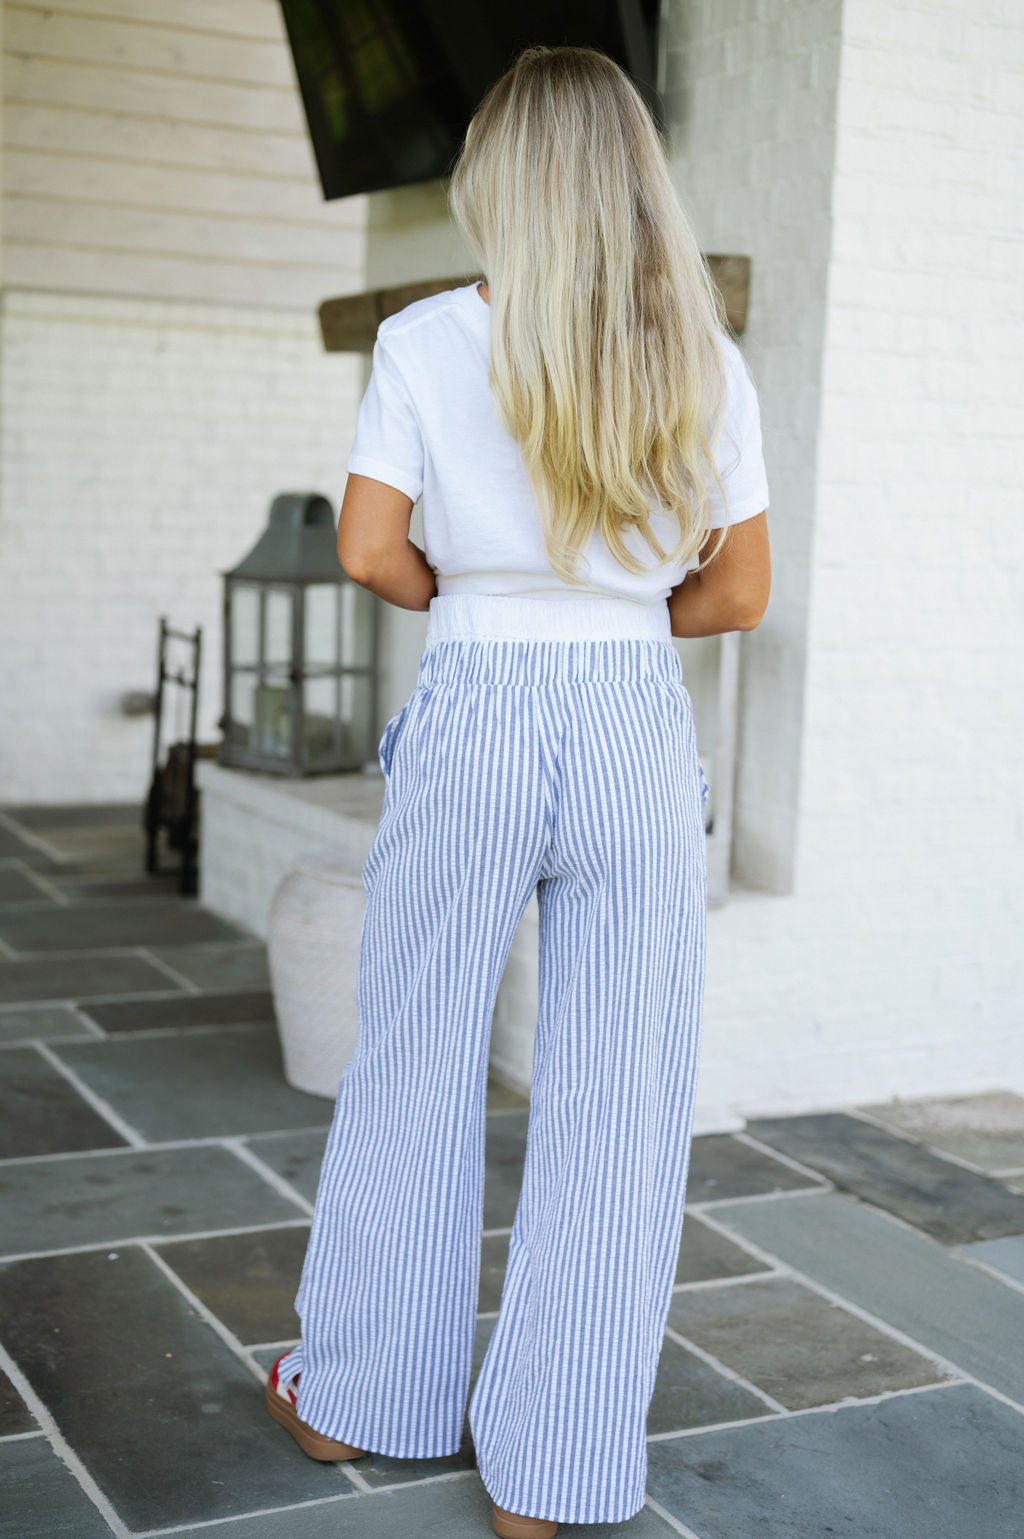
<point x="374" y="547"/>
<point x="731" y="594"/>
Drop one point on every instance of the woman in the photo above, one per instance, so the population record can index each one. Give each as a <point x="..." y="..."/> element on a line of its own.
<point x="581" y="429"/>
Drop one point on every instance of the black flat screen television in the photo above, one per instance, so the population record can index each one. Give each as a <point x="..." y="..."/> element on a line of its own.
<point x="388" y="86"/>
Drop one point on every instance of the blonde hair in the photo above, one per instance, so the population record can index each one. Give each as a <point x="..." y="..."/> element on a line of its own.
<point x="605" y="323"/>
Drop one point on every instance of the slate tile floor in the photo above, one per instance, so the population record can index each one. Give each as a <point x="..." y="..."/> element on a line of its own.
<point x="845" y="1344"/>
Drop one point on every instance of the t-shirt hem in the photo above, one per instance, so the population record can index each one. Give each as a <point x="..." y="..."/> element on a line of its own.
<point x="747" y="507"/>
<point x="391" y="475"/>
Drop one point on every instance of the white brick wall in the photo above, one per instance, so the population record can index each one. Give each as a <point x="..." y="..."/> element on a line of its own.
<point x="140" y="446"/>
<point x="911" y="829"/>
<point x="884" y="336"/>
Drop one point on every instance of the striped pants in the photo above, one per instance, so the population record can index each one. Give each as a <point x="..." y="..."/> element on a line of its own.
<point x="547" y="746"/>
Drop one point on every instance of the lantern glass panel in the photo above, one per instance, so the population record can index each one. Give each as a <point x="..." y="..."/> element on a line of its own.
<point x="243" y="709"/>
<point x="321" y="727"/>
<point x="347" y="699"/>
<point x="322" y="626"/>
<point x="277" y="645"/>
<point x="357" y="626"/>
<point x="274" y="703"/>
<point x="245" y="624"/>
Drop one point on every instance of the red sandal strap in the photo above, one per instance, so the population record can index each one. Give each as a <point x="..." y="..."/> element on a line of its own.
<point x="276" y="1382"/>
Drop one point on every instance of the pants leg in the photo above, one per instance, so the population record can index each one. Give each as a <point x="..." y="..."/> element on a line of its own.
<point x="559" y="1409"/>
<point x="389" y="1286"/>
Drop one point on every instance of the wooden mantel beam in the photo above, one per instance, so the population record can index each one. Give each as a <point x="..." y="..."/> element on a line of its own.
<point x="349" y="324"/>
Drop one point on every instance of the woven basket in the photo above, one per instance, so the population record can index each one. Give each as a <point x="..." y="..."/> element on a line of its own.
<point x="313" y="937"/>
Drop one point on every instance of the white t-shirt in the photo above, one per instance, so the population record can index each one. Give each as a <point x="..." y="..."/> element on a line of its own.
<point x="428" y="425"/>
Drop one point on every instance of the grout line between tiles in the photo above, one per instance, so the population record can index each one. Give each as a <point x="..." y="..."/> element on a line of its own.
<point x="170" y="972"/>
<point x="947" y="1364"/>
<point x="239" y="1148"/>
<point x="753" y="1142"/>
<point x="26" y="836"/>
<point x="831" y="1408"/>
<point x="987" y="1267"/>
<point x="158" y="1146"/>
<point x="46" y="887"/>
<point x="87" y="1021"/>
<point x="144" y="1033"/>
<point x="154" y="1239"/>
<point x="741" y="1281"/>
<point x="723" y="1370"/>
<point x="97" y="1102"/>
<point x="449" y="1476"/>
<point x="62" y="1449"/>
<point x="672" y="1522"/>
<point x="82" y="1003"/>
<point x="918" y="1141"/>
<point x="204" y="1312"/>
<point x="701" y="1206"/>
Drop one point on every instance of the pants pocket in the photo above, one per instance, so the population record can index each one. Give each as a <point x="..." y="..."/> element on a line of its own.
<point x="389" y="739"/>
<point x="704" y="787"/>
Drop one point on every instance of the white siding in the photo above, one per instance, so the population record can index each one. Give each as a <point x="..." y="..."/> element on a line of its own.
<point x="165" y="246"/>
<point x="162" y="152"/>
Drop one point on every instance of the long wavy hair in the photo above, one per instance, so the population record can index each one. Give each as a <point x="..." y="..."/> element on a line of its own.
<point x="605" y="326"/>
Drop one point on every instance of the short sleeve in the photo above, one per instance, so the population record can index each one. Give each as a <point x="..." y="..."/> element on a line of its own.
<point x="388" y="443"/>
<point x="739" y="457"/>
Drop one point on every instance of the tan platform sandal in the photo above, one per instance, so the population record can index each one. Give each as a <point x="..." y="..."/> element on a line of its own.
<point x="514" y="1525"/>
<point x="281" y="1401"/>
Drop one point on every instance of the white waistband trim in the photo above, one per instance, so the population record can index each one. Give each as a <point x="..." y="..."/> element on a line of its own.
<point x="511" y="617"/>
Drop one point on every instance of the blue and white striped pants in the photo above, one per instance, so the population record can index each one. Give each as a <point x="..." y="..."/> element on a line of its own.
<point x="548" y="745"/>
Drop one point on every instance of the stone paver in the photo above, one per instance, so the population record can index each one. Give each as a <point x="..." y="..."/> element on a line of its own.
<point x="15" y="1416"/>
<point x="986" y="1130"/>
<point x="41" y="1497"/>
<point x="64" y="978"/>
<point x="796" y="1346"/>
<point x="168" y="1421"/>
<point x="104" y="1198"/>
<point x="453" y="1508"/>
<point x="952" y="1204"/>
<point x="942" y="1464"/>
<point x="86" y="926"/>
<point x="688" y="1392"/>
<point x="248" y="1281"/>
<point x="210" y="1083"/>
<point x="241" y="966"/>
<point x="705" y="1254"/>
<point x="908" y="1279"/>
<point x="43" y="1112"/>
<point x="40" y="1023"/>
<point x="296" y="1156"/>
<point x="182" y="1011"/>
<point x="724" y="1166"/>
<point x="1006" y="1255"/>
<point x="173" y="1028"/>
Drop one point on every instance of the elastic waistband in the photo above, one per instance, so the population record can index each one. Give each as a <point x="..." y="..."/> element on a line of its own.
<point x="501" y="639"/>
<point x="511" y="617"/>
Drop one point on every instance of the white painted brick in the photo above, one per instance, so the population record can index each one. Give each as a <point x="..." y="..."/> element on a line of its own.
<point x="140" y="445"/>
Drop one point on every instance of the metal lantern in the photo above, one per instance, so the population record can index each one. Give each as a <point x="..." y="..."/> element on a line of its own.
<point x="300" y="649"/>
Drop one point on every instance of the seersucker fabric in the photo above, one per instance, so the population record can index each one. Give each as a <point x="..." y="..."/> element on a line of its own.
<point x="530" y="758"/>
